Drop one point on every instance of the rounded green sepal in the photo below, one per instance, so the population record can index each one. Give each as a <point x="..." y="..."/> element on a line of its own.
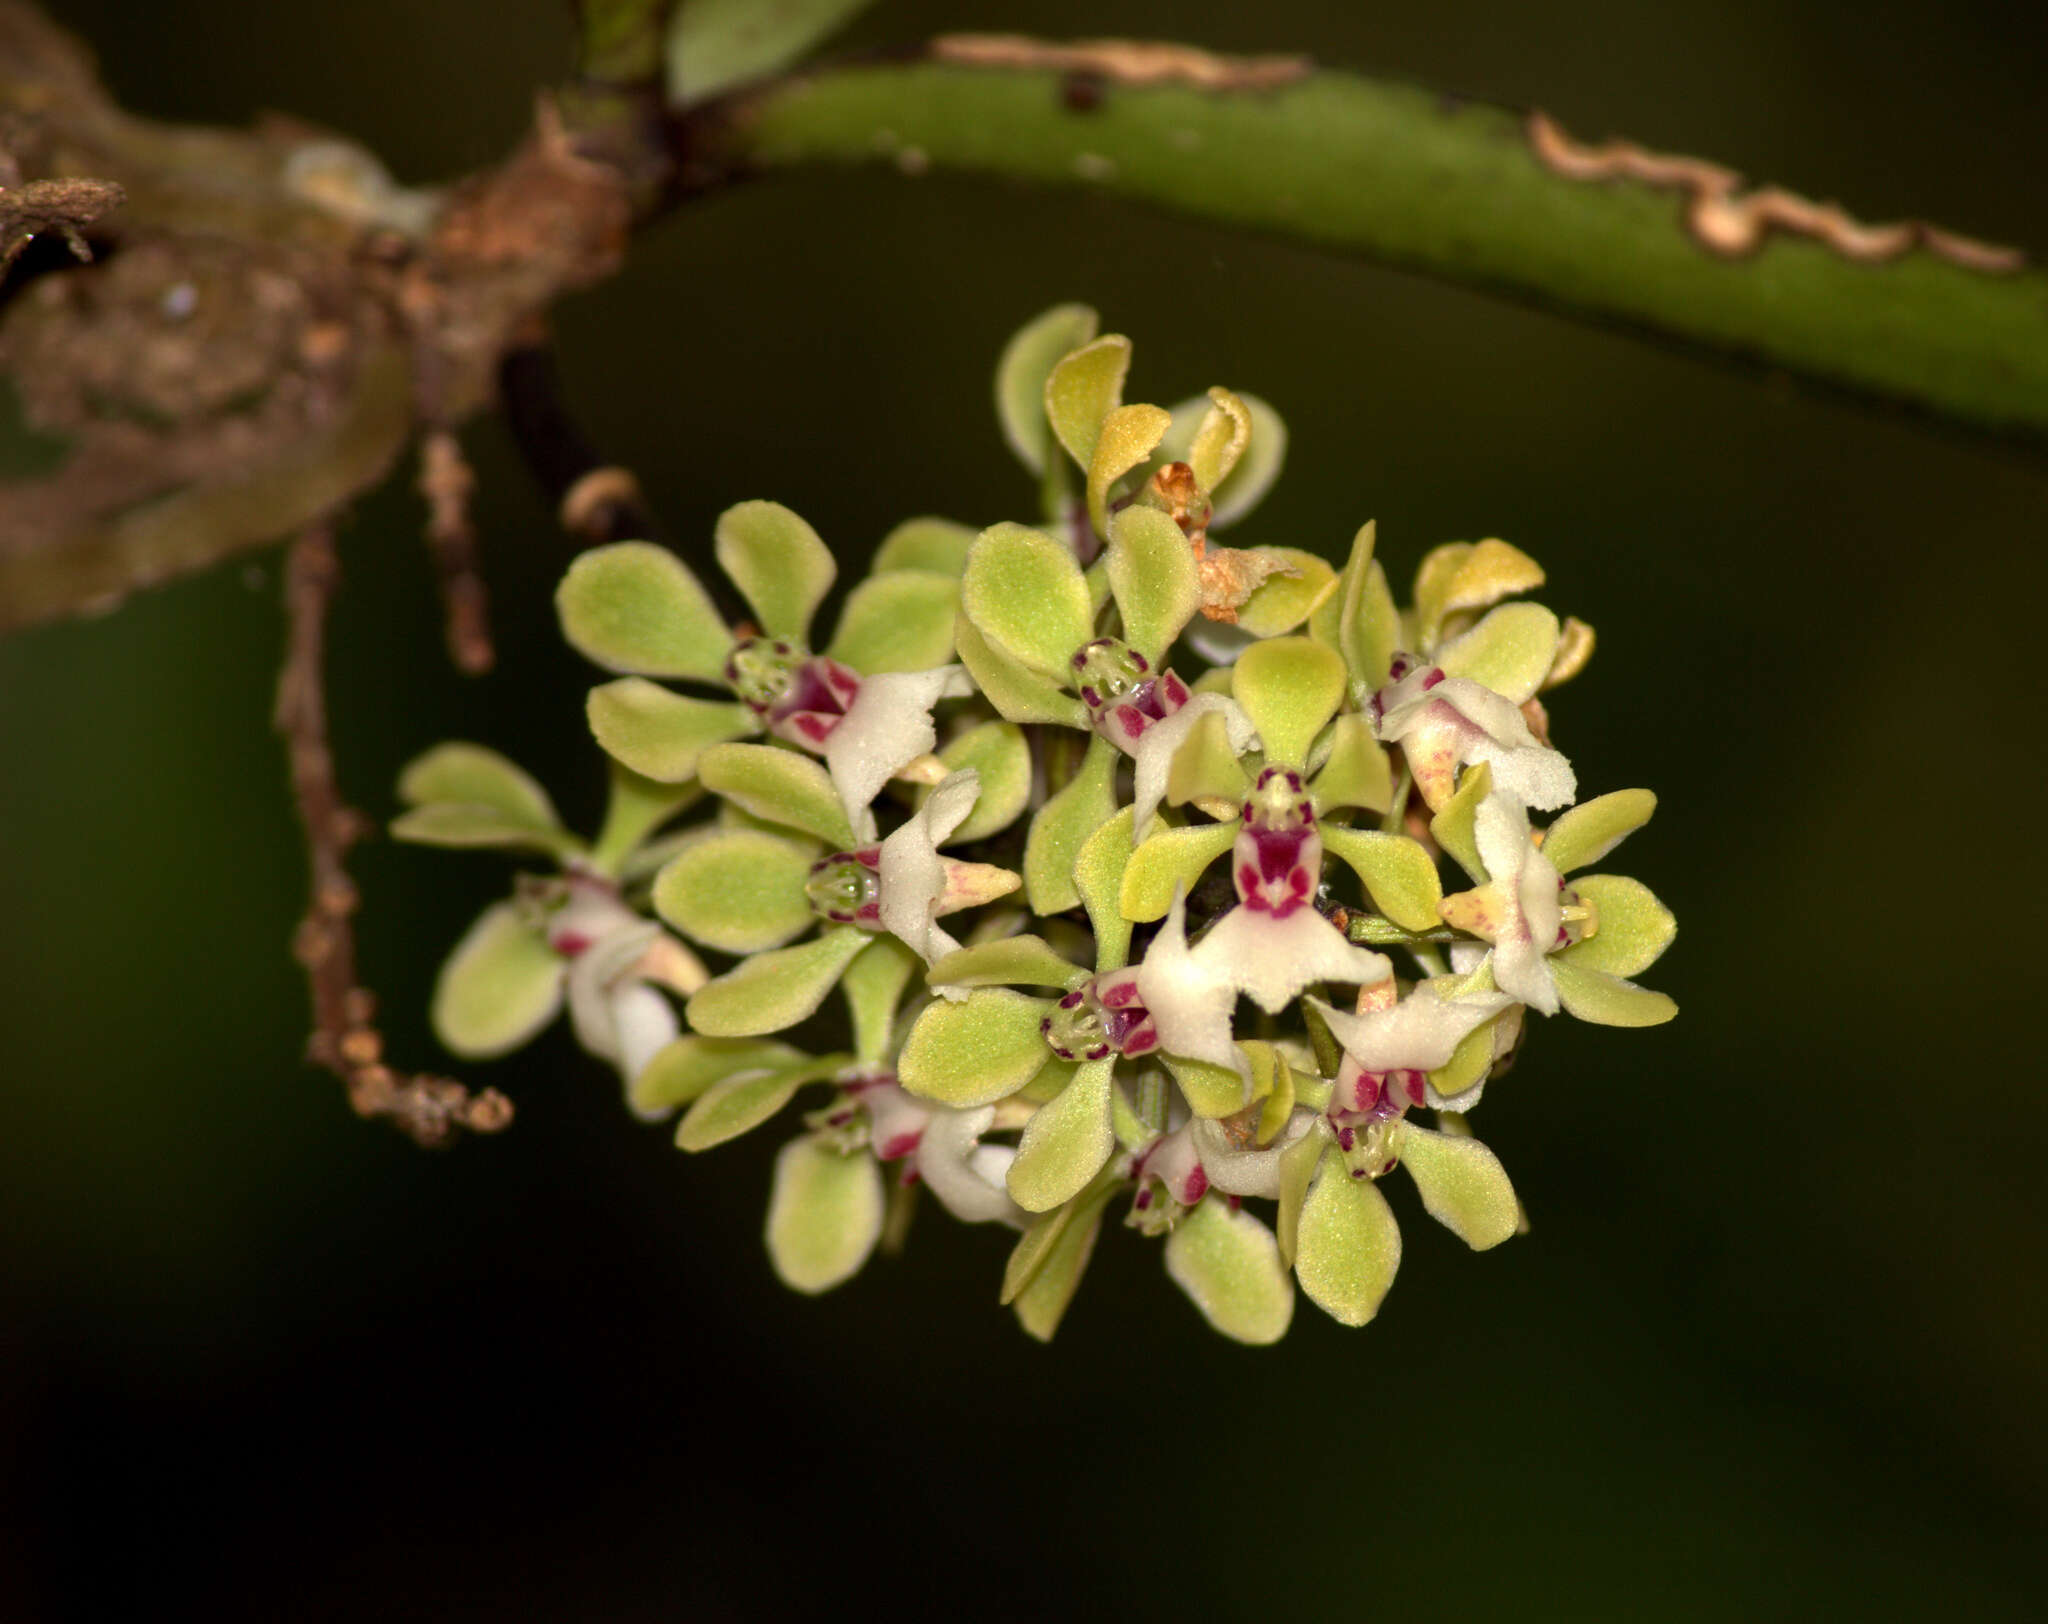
<point x="779" y="786"/>
<point x="1290" y="687"/>
<point x="1026" y="595"/>
<point x="635" y="607"/>
<point x="997" y="751"/>
<point x="899" y="621"/>
<point x="770" y="992"/>
<point x="1153" y="578"/>
<point x="1356" y="771"/>
<point x="1167" y="861"/>
<point x="1018" y="693"/>
<point x="1205" y="767"/>
<point x="1098" y="878"/>
<point x="1066" y="1142"/>
<point x="1592" y="829"/>
<point x="1606" y="1000"/>
<point x="1212" y="1091"/>
<point x="1635" y="927"/>
<point x="685" y="1067"/>
<point x="975" y="1051"/>
<point x="739" y="890"/>
<point x="873" y="984"/>
<point x="1009" y="961"/>
<point x="1465" y="575"/>
<point x="1125" y="440"/>
<point x="467" y="795"/>
<point x="939" y="545"/>
<point x="500" y="986"/>
<point x="1229" y="1265"/>
<point x="777" y="561"/>
<point x="1396" y="872"/>
<point x="824" y="1214"/>
<point x="1283" y="602"/>
<point x="1510" y="651"/>
<point x="1455" y="826"/>
<point x="1463" y="1185"/>
<point x="1083" y="388"/>
<point x="1347" y="1246"/>
<point x="660" y="734"/>
<point x="1041" y="1302"/>
<point x="1027" y="362"/>
<point x="739" y="1104"/>
<point x="1063" y="824"/>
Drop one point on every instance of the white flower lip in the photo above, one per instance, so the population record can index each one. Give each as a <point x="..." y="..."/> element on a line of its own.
<point x="1466" y="721"/>
<point x="888" y="725"/>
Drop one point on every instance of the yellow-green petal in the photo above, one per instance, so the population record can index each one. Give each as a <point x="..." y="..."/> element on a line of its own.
<point x="1027" y="362"/>
<point x="771" y="992"/>
<point x="1084" y="387"/>
<point x="780" y="786"/>
<point x="1098" y="878"/>
<point x="1347" y="1245"/>
<point x="500" y="986"/>
<point x="1463" y="1185"/>
<point x="1605" y="1000"/>
<point x="1283" y="602"/>
<point x="999" y="753"/>
<point x="898" y="621"/>
<point x="636" y="608"/>
<point x="1152" y="574"/>
<point x="739" y="891"/>
<point x="684" y="1068"/>
<point x="1510" y="651"/>
<point x="1042" y="1302"/>
<point x="1083" y="805"/>
<point x="1290" y="687"/>
<point x="777" y="561"/>
<point x="1356" y="772"/>
<point x="1167" y="861"/>
<point x="1125" y="440"/>
<point x="977" y="1050"/>
<point x="939" y="545"/>
<point x="1018" y="693"/>
<point x="1024" y="593"/>
<point x="1634" y="927"/>
<point x="1592" y="829"/>
<point x="824" y="1214"/>
<point x="1065" y="1143"/>
<point x="657" y="733"/>
<point x="1396" y="872"/>
<point x="1228" y="1264"/>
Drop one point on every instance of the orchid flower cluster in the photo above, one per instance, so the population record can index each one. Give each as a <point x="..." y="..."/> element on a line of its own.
<point x="1124" y="851"/>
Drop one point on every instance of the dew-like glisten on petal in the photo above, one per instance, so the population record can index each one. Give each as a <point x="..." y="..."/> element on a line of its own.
<point x="1084" y="387"/>
<point x="824" y="1214"/>
<point x="738" y="890"/>
<point x="1066" y="1142"/>
<point x="1027" y="362"/>
<point x="657" y="733"/>
<point x="1025" y="593"/>
<point x="899" y="621"/>
<point x="771" y="992"/>
<point x="1229" y="1265"/>
<point x="779" y="564"/>
<point x="1347" y="1246"/>
<point x="1589" y="831"/>
<point x="500" y="986"/>
<point x="1462" y="1183"/>
<point x="977" y="1051"/>
<point x="1151" y="571"/>
<point x="636" y="608"/>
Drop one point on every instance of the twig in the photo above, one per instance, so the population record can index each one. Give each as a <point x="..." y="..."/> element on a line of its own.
<point x="345" y="1039"/>
<point x="447" y="483"/>
<point x="596" y="501"/>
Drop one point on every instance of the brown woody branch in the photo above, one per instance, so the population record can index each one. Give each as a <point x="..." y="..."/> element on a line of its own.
<point x="345" y="1038"/>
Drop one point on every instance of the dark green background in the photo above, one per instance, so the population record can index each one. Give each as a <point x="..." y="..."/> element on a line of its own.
<point x="1775" y="1345"/>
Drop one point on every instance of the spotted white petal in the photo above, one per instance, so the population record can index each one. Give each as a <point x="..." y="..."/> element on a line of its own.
<point x="1153" y="757"/>
<point x="1528" y="884"/>
<point x="912" y="877"/>
<point x="888" y="726"/>
<point x="1189" y="1003"/>
<point x="1237" y="1171"/>
<point x="1272" y="959"/>
<point x="1456" y="721"/>
<point x="966" y="1175"/>
<point x="1417" y="1034"/>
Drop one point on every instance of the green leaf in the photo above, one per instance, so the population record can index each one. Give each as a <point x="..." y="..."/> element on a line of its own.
<point x="472" y="775"/>
<point x="657" y="733"/>
<point x="1167" y="861"/>
<point x="714" y="45"/>
<point x="1229" y="1265"/>
<point x="736" y="1105"/>
<point x="1084" y="387"/>
<point x="1605" y="1000"/>
<point x="1042" y="1302"/>
<point x="777" y="561"/>
<point x="500" y="986"/>
<point x="1009" y="961"/>
<point x="1065" y="1143"/>
<point x="1017" y="692"/>
<point x="1063" y="824"/>
<point x="1152" y="574"/>
<point x="635" y="607"/>
<point x="738" y="890"/>
<point x="1027" y="362"/>
<point x="1024" y="593"/>
<point x="999" y="753"/>
<point x="939" y="545"/>
<point x="1356" y="772"/>
<point x="899" y="621"/>
<point x="1397" y="873"/>
<point x="683" y="1069"/>
<point x="1463" y="1185"/>
<point x="1635" y="927"/>
<point x="1592" y="829"/>
<point x="772" y="991"/>
<point x="1125" y="440"/>
<point x="1347" y="1245"/>
<point x="444" y="823"/>
<point x="1509" y="651"/>
<point x="874" y="985"/>
<point x="1290" y="687"/>
<point x="1455" y="828"/>
<point x="824" y="1214"/>
<point x="976" y="1051"/>
<point x="780" y="786"/>
<point x="1098" y="877"/>
<point x="1283" y="602"/>
<point x="1211" y="1091"/>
